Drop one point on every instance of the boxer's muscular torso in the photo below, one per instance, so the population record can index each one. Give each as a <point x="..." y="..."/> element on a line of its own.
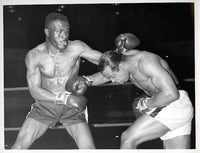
<point x="47" y="73"/>
<point x="55" y="69"/>
<point x="138" y="75"/>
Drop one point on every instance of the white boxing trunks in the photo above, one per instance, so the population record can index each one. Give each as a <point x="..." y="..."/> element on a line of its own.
<point x="177" y="116"/>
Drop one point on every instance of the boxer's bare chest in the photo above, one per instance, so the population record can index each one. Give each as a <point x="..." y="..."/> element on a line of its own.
<point x="58" y="65"/>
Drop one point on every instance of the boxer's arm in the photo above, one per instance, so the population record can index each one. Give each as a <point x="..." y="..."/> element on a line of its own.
<point x="90" y="54"/>
<point x="98" y="79"/>
<point x="83" y="50"/>
<point x="162" y="81"/>
<point x="166" y="66"/>
<point x="34" y="80"/>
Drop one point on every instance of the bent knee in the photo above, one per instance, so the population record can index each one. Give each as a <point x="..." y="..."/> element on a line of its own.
<point x="126" y="137"/>
<point x="129" y="138"/>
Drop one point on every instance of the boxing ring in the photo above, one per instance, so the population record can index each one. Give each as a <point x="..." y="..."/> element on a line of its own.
<point x="109" y="114"/>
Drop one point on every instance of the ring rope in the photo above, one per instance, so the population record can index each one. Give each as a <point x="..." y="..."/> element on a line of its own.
<point x="26" y="88"/>
<point x="94" y="125"/>
<point x="7" y="129"/>
<point x="108" y="84"/>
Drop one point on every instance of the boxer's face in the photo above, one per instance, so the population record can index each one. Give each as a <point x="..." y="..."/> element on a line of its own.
<point x="116" y="76"/>
<point x="59" y="34"/>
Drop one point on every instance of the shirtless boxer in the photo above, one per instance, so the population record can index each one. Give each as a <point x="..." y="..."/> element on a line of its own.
<point x="165" y="111"/>
<point x="49" y="67"/>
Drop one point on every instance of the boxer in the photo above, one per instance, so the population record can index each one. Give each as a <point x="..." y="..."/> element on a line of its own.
<point x="165" y="112"/>
<point x="52" y="69"/>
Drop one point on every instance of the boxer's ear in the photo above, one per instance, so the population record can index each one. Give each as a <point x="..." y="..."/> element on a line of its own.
<point x="46" y="31"/>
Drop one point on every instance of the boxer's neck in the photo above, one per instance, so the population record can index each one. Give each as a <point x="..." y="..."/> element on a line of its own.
<point x="53" y="50"/>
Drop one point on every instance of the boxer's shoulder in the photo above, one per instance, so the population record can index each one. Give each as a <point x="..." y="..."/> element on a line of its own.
<point x="147" y="57"/>
<point x="39" y="49"/>
<point x="76" y="46"/>
<point x="134" y="56"/>
<point x="37" y="52"/>
<point x="132" y="52"/>
<point x="75" y="43"/>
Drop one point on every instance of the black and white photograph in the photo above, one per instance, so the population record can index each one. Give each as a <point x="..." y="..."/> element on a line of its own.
<point x="111" y="76"/>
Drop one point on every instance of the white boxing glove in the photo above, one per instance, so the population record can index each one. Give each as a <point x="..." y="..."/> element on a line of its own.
<point x="142" y="107"/>
<point x="89" y="80"/>
<point x="62" y="97"/>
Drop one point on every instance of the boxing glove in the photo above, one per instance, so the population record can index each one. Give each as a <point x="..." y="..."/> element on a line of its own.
<point x="62" y="97"/>
<point x="89" y="80"/>
<point x="139" y="106"/>
<point x="125" y="42"/>
<point x="71" y="100"/>
<point x="77" y="85"/>
<point x="136" y="112"/>
<point x="77" y="102"/>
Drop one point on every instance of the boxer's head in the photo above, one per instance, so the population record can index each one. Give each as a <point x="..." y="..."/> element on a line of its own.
<point x="57" y="30"/>
<point x="112" y="66"/>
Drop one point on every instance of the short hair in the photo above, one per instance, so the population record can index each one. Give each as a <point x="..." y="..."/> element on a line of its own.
<point x="54" y="16"/>
<point x="110" y="58"/>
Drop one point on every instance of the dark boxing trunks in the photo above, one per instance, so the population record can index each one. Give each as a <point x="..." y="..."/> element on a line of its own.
<point x="50" y="114"/>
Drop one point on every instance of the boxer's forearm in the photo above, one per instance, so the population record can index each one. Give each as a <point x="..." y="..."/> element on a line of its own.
<point x="42" y="95"/>
<point x="92" y="56"/>
<point x="162" y="99"/>
<point x="95" y="56"/>
<point x="98" y="79"/>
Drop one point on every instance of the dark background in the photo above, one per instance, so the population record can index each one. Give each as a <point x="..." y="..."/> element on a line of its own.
<point x="166" y="29"/>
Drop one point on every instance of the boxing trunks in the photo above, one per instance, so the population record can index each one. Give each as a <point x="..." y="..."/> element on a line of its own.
<point x="177" y="116"/>
<point x="51" y="113"/>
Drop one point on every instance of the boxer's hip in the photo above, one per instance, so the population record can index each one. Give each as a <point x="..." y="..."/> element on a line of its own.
<point x="177" y="113"/>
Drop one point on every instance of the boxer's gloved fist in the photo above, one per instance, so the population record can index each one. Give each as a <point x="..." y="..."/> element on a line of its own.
<point x="139" y="106"/>
<point x="71" y="100"/>
<point x="77" y="102"/>
<point x="62" y="97"/>
<point x="89" y="80"/>
<point x="77" y="85"/>
<point x="126" y="41"/>
<point x="136" y="112"/>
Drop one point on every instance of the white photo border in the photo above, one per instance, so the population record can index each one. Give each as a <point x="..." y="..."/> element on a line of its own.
<point x="46" y="2"/>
